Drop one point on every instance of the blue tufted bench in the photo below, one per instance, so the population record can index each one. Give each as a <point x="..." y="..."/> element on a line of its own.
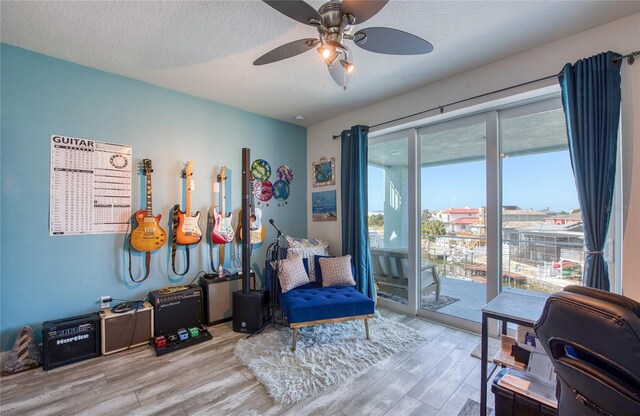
<point x="312" y="304"/>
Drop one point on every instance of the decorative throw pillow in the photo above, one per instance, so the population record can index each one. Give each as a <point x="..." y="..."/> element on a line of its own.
<point x="306" y="243"/>
<point x="318" y="269"/>
<point x="291" y="273"/>
<point x="308" y="248"/>
<point x="336" y="271"/>
<point x="310" y="253"/>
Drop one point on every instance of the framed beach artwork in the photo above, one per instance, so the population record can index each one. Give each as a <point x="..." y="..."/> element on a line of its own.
<point x="323" y="206"/>
<point x="324" y="172"/>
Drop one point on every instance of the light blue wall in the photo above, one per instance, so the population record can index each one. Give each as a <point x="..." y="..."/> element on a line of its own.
<point x="45" y="277"/>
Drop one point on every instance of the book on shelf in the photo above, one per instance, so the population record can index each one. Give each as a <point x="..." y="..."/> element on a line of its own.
<point x="526" y="385"/>
<point x="541" y="368"/>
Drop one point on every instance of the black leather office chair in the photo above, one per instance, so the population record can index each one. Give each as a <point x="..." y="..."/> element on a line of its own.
<point x="593" y="339"/>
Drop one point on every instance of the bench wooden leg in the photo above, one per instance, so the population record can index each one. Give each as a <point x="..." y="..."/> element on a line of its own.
<point x="295" y="338"/>
<point x="366" y="327"/>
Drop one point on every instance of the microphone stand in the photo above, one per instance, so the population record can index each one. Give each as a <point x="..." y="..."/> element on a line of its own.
<point x="275" y="256"/>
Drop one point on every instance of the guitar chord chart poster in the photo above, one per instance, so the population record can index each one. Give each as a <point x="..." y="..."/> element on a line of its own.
<point x="90" y="188"/>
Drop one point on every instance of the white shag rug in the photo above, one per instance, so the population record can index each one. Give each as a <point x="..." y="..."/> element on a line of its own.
<point x="325" y="355"/>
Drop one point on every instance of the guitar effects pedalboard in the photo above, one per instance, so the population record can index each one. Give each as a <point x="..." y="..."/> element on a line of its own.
<point x="182" y="338"/>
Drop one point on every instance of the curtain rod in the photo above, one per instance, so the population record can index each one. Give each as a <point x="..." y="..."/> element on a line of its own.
<point x="630" y="59"/>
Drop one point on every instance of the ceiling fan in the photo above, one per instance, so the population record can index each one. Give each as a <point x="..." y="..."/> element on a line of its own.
<point x="334" y="21"/>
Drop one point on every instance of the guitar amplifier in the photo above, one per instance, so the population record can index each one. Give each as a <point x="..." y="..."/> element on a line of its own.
<point x="121" y="331"/>
<point x="175" y="309"/>
<point x="70" y="340"/>
<point x="217" y="295"/>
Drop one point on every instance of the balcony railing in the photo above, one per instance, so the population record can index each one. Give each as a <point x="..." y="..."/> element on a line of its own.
<point x="545" y="266"/>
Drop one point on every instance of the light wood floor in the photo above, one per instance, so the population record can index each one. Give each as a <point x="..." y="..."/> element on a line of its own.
<point x="435" y="378"/>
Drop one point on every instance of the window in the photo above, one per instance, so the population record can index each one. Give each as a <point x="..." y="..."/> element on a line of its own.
<point x="542" y="236"/>
<point x="492" y="197"/>
<point x="388" y="184"/>
<point x="453" y="197"/>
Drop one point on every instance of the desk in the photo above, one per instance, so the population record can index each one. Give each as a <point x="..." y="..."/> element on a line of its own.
<point x="518" y="307"/>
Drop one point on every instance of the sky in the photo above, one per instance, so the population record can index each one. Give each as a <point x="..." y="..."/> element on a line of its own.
<point x="531" y="181"/>
<point x="324" y="199"/>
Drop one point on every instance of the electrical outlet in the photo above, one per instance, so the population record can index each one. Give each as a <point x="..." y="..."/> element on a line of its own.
<point x="105" y="302"/>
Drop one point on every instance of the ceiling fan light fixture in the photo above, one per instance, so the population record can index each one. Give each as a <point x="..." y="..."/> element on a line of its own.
<point x="324" y="51"/>
<point x="334" y="22"/>
<point x="348" y="66"/>
<point x="332" y="58"/>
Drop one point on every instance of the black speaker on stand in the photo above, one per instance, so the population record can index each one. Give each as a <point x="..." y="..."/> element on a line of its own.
<point x="250" y="307"/>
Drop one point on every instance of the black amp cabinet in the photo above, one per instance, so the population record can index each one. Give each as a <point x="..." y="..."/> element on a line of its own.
<point x="175" y="309"/>
<point x="70" y="340"/>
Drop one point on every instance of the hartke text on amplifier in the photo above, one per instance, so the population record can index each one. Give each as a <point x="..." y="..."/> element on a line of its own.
<point x="70" y="340"/>
<point x="121" y="331"/>
<point x="177" y="309"/>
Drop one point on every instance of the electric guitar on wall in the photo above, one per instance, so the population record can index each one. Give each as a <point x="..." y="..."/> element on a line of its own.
<point x="257" y="231"/>
<point x="188" y="231"/>
<point x="222" y="231"/>
<point x="148" y="234"/>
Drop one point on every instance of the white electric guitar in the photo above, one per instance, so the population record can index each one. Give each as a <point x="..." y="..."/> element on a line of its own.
<point x="188" y="231"/>
<point x="222" y="232"/>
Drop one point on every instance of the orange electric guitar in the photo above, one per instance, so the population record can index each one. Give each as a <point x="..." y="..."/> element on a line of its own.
<point x="188" y="231"/>
<point x="148" y="234"/>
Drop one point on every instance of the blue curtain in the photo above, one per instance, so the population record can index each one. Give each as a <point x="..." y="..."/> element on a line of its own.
<point x="591" y="101"/>
<point x="355" y="232"/>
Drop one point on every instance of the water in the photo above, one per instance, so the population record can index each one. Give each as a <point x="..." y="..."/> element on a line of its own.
<point x="323" y="210"/>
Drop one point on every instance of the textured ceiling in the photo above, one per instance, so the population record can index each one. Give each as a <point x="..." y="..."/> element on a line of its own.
<point x="206" y="49"/>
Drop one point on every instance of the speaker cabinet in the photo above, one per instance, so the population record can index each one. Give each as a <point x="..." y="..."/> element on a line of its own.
<point x="70" y="340"/>
<point x="250" y="310"/>
<point x="174" y="310"/>
<point x="121" y="331"/>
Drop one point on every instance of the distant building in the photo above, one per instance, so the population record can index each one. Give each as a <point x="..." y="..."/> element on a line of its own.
<point x="548" y="211"/>
<point x="545" y="242"/>
<point x="517" y="214"/>
<point x="529" y="236"/>
<point x="452" y="214"/>
<point x="564" y="219"/>
<point x="464" y="224"/>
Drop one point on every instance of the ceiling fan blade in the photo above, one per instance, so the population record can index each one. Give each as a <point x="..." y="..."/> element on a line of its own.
<point x="391" y="41"/>
<point x="287" y="50"/>
<point x="362" y="10"/>
<point x="340" y="75"/>
<point x="297" y="10"/>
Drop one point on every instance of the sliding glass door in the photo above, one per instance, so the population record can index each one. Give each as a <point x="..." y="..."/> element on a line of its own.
<point x="453" y="269"/>
<point x="464" y="208"/>
<point x="541" y="227"/>
<point x="389" y="196"/>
